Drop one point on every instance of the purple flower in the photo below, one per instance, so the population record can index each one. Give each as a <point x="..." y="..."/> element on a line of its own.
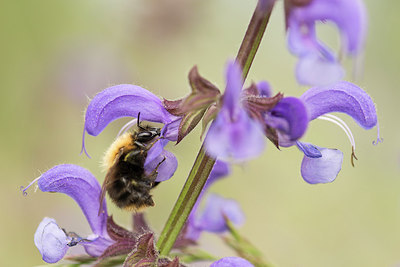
<point x="82" y="186"/>
<point x="212" y="218"/>
<point x="291" y="115"/>
<point x="127" y="100"/>
<point x="318" y="65"/>
<point x="231" y="262"/>
<point x="233" y="134"/>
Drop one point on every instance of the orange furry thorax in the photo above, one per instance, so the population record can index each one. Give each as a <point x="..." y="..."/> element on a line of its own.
<point x="125" y="142"/>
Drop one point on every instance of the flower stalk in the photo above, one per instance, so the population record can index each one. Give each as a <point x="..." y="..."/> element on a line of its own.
<point x="203" y="164"/>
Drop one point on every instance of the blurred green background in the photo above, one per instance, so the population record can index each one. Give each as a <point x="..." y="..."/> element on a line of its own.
<point x="57" y="54"/>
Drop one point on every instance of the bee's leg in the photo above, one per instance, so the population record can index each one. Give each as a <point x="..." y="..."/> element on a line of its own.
<point x="154" y="173"/>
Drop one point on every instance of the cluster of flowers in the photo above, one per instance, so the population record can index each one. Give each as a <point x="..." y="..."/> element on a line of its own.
<point x="239" y="119"/>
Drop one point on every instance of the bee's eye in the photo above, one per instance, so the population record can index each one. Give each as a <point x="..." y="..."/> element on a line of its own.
<point x="146" y="136"/>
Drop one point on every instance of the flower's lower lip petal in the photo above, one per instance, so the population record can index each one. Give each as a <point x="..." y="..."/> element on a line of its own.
<point x="82" y="186"/>
<point x="323" y="169"/>
<point x="216" y="208"/>
<point x="289" y="117"/>
<point x="124" y="100"/>
<point x="237" y="140"/>
<point x="230" y="262"/>
<point x="342" y="97"/>
<point x="309" y="150"/>
<point x="156" y="150"/>
<point x="97" y="246"/>
<point x="167" y="169"/>
<point x="312" y="69"/>
<point x="51" y="241"/>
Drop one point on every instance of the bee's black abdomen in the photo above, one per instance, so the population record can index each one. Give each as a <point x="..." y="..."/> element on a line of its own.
<point x="130" y="187"/>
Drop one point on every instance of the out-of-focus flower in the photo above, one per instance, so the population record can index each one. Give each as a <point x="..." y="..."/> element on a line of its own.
<point x="217" y="209"/>
<point x="318" y="65"/>
<point x="82" y="186"/>
<point x="238" y="130"/>
<point x="231" y="262"/>
<point x="127" y="100"/>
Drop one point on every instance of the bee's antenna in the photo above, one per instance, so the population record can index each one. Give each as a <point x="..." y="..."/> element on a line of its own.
<point x="138" y="122"/>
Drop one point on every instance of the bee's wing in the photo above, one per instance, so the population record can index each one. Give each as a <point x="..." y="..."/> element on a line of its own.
<point x="107" y="181"/>
<point x="102" y="195"/>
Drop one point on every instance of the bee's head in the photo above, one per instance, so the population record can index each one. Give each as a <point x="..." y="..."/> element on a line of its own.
<point x="146" y="135"/>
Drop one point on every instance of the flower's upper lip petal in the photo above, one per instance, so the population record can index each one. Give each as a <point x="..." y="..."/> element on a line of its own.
<point x="51" y="240"/>
<point x="341" y="97"/>
<point x="124" y="100"/>
<point x="167" y="169"/>
<point x="349" y="16"/>
<point x="82" y="186"/>
<point x="231" y="100"/>
<point x="237" y="140"/>
<point x="216" y="208"/>
<point x="323" y="169"/>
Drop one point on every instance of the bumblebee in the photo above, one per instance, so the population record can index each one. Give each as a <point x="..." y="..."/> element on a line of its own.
<point x="126" y="181"/>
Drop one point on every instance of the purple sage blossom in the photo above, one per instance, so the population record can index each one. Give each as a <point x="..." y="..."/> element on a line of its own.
<point x="231" y="262"/>
<point x="291" y="115"/>
<point x="127" y="100"/>
<point x="233" y="134"/>
<point x="318" y="65"/>
<point x="82" y="186"/>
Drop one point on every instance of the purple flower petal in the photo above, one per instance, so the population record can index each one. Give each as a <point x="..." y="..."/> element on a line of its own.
<point x="349" y="16"/>
<point x="264" y="89"/>
<point x="220" y="170"/>
<point x="342" y="97"/>
<point x="51" y="241"/>
<point x="323" y="169"/>
<point x="96" y="246"/>
<point x="231" y="262"/>
<point x="124" y="100"/>
<point x="309" y="150"/>
<point x="290" y="118"/>
<point x="171" y="130"/>
<point x="318" y="65"/>
<point x="212" y="218"/>
<point x="167" y="169"/>
<point x="313" y="69"/>
<point x="234" y="82"/>
<point x="82" y="186"/>
<point x="239" y="139"/>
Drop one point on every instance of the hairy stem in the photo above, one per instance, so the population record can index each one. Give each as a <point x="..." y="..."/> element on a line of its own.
<point x="203" y="164"/>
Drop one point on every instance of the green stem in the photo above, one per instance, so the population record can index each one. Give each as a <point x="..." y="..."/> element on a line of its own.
<point x="255" y="32"/>
<point x="203" y="164"/>
<point x="186" y="200"/>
